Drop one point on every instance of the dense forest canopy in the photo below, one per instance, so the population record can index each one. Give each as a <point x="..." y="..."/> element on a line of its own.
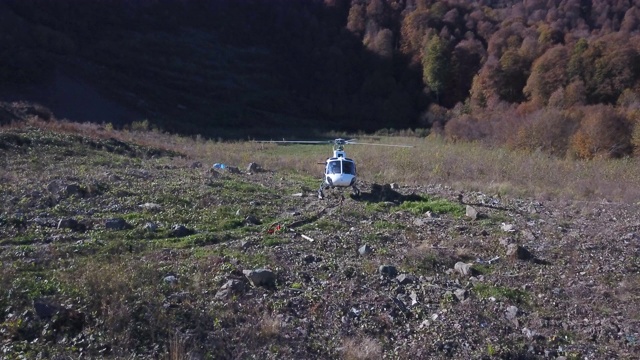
<point x="560" y="75"/>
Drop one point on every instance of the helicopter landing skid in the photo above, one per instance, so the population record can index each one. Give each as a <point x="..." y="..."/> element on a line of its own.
<point x="355" y="193"/>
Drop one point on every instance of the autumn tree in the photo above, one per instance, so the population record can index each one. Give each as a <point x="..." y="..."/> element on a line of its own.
<point x="602" y="132"/>
<point x="547" y="75"/>
<point x="435" y="65"/>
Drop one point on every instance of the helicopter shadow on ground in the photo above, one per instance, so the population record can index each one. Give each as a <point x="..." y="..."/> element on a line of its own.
<point x="384" y="193"/>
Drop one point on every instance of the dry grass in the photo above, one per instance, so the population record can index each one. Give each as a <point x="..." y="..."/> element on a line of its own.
<point x="270" y="326"/>
<point x="362" y="349"/>
<point x="432" y="160"/>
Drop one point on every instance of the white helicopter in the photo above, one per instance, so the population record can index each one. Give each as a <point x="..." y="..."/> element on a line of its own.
<point x="340" y="171"/>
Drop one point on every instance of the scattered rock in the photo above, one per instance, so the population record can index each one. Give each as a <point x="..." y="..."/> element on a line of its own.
<point x="511" y="312"/>
<point x="464" y="269"/>
<point x="528" y="235"/>
<point x="261" y="277"/>
<point x="151" y="207"/>
<point x="388" y="270"/>
<point x="404" y="279"/>
<point x="507" y="227"/>
<point x="419" y="222"/>
<point x="116" y="224"/>
<point x="68" y="224"/>
<point x="517" y="252"/>
<point x="245" y="244"/>
<point x="252" y="220"/>
<point x="233" y="170"/>
<point x="54" y="186"/>
<point x="45" y="308"/>
<point x="181" y="231"/>
<point x="472" y="213"/>
<point x="150" y="227"/>
<point x="170" y="279"/>
<point x="230" y="288"/>
<point x="253" y="168"/>
<point x="460" y="294"/>
<point x="394" y="186"/>
<point x="365" y="250"/>
<point x="72" y="189"/>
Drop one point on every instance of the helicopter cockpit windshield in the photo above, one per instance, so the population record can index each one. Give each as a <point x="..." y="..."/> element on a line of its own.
<point x="334" y="167"/>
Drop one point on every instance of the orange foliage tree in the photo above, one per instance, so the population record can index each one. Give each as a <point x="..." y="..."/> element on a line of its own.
<point x="603" y="132"/>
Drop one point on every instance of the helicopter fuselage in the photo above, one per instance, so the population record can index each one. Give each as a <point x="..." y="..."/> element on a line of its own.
<point x="340" y="171"/>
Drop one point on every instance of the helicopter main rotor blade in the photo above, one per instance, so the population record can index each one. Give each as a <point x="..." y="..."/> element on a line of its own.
<point x="338" y="142"/>
<point x="374" y="144"/>
<point x="293" y="142"/>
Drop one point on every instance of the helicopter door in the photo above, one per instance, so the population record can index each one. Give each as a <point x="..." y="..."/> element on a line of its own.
<point x="348" y="167"/>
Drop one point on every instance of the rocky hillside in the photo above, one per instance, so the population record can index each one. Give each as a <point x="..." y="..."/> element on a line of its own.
<point x="113" y="249"/>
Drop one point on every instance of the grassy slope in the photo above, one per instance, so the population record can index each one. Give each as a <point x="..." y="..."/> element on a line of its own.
<point x="112" y="282"/>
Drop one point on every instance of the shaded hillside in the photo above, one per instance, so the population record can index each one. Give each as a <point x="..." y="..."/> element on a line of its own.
<point x="224" y="64"/>
<point x="502" y="72"/>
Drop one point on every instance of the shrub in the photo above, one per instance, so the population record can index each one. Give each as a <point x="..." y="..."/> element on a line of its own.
<point x="602" y="132"/>
<point x="547" y="130"/>
<point x="465" y="128"/>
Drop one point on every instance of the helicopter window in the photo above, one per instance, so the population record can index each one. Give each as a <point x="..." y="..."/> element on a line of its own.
<point x="334" y="167"/>
<point x="348" y="168"/>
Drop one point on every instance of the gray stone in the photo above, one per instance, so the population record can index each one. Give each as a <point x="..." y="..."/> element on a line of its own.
<point x="116" y="224"/>
<point x="68" y="224"/>
<point x="414" y="298"/>
<point x="365" y="250"/>
<point x="507" y="227"/>
<point x="517" y="252"/>
<point x="471" y="212"/>
<point x="253" y="167"/>
<point x="463" y="269"/>
<point x="419" y="222"/>
<point x="230" y="288"/>
<point x="252" y="220"/>
<point x="261" y="277"/>
<point x="170" y="279"/>
<point x="151" y="207"/>
<point x="45" y="308"/>
<point x="394" y="186"/>
<point x="460" y="294"/>
<point x="528" y="235"/>
<point x="72" y="189"/>
<point x="54" y="186"/>
<point x="150" y="227"/>
<point x="404" y="279"/>
<point x="388" y="270"/>
<point x="511" y="313"/>
<point x="180" y="231"/>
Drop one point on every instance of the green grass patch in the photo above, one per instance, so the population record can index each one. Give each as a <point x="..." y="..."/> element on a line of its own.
<point x="436" y="206"/>
<point x="274" y="241"/>
<point x="388" y="225"/>
<point x="486" y="291"/>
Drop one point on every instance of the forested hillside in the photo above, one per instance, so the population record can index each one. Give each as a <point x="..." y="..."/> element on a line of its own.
<point x="558" y="76"/>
